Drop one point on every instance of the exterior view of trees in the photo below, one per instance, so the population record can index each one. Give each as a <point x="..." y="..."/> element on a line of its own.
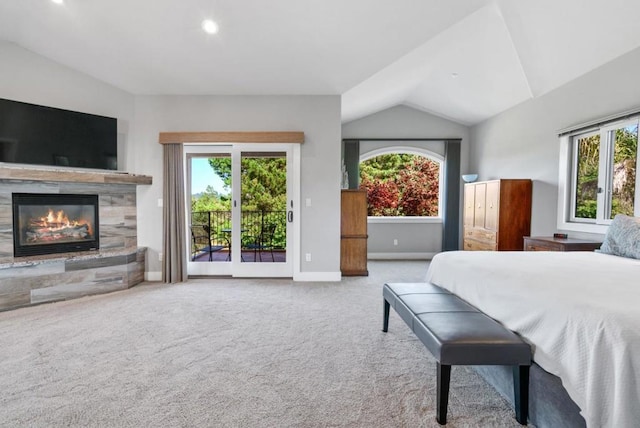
<point x="264" y="181"/>
<point x="401" y="184"/>
<point x="263" y="196"/>
<point x="622" y="181"/>
<point x="587" y="176"/>
<point x="264" y="185"/>
<point x="624" y="171"/>
<point x="210" y="200"/>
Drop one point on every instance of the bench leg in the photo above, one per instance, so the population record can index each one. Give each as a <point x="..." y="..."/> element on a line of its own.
<point x="385" y="319"/>
<point x="442" y="394"/>
<point x="521" y="393"/>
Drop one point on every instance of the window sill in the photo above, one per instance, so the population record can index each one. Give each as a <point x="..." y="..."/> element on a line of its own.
<point x="403" y="220"/>
<point x="584" y="227"/>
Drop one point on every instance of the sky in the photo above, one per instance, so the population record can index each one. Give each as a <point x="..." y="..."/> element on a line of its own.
<point x="203" y="176"/>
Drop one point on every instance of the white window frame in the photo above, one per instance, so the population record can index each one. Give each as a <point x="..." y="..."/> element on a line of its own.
<point x="410" y="151"/>
<point x="573" y="176"/>
<point x="567" y="179"/>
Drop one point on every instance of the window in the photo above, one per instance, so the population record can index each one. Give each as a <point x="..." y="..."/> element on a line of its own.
<point x="402" y="183"/>
<point x="602" y="175"/>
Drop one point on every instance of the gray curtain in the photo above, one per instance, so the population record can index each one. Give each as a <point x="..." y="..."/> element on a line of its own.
<point x="451" y="194"/>
<point x="351" y="150"/>
<point x="174" y="266"/>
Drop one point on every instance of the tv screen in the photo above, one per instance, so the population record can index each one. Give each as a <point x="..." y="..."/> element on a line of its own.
<point x="33" y="134"/>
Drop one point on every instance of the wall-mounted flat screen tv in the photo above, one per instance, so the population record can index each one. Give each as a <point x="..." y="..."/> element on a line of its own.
<point x="33" y="134"/>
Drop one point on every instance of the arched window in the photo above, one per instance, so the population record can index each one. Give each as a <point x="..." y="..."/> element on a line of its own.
<point x="402" y="182"/>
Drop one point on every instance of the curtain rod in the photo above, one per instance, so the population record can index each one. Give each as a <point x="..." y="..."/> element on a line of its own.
<point x="599" y="122"/>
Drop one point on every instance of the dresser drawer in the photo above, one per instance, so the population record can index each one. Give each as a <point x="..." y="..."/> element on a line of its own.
<point x="541" y="247"/>
<point x="547" y="243"/>
<point x="484" y="235"/>
<point x="473" y="245"/>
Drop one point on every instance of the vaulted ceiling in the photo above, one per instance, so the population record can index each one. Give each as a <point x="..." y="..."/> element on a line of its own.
<point x="465" y="60"/>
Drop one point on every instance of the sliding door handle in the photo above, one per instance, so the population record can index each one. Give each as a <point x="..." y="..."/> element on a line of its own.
<point x="290" y="216"/>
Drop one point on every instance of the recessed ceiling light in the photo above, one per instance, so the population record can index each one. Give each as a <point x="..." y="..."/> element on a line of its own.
<point x="210" y="26"/>
<point x="454" y="75"/>
<point x="58" y="1"/>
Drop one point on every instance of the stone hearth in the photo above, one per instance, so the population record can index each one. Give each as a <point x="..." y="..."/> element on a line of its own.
<point x="117" y="265"/>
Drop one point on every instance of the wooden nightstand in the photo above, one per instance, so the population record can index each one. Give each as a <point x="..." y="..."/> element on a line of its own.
<point x="549" y="243"/>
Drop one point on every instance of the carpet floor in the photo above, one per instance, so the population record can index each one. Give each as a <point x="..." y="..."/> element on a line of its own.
<point x="231" y="353"/>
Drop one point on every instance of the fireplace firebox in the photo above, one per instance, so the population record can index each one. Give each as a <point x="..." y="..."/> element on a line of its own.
<point x="48" y="223"/>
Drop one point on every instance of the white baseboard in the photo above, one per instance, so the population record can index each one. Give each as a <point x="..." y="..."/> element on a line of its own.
<point x="153" y="276"/>
<point x="317" y="276"/>
<point x="300" y="276"/>
<point x="400" y="256"/>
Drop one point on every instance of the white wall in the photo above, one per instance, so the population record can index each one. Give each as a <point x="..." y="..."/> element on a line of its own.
<point x="317" y="116"/>
<point x="523" y="141"/>
<point x="31" y="78"/>
<point x="414" y="240"/>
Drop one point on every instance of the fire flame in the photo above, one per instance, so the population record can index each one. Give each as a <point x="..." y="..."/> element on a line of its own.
<point x="59" y="220"/>
<point x="57" y="227"/>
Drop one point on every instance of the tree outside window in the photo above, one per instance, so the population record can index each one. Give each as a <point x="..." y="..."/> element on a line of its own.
<point x="401" y="185"/>
<point x="587" y="167"/>
<point x="604" y="178"/>
<point x="623" y="177"/>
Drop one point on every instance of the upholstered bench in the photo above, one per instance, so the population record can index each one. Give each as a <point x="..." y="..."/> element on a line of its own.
<point x="457" y="333"/>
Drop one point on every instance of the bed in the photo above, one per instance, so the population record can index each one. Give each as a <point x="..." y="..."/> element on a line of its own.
<point x="580" y="311"/>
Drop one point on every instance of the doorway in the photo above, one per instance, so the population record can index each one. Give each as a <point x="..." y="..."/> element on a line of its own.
<point x="240" y="209"/>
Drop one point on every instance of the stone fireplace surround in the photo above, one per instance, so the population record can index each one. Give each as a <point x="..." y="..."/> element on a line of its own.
<point x="117" y="265"/>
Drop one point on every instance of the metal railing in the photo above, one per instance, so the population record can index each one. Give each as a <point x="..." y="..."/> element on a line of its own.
<point x="251" y="224"/>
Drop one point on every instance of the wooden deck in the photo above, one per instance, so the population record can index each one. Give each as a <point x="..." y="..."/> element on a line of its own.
<point x="247" y="256"/>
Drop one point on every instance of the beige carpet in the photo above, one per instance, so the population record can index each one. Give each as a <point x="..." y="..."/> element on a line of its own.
<point x="231" y="353"/>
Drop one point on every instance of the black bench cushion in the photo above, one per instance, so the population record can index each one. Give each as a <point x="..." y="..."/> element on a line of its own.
<point x="391" y="292"/>
<point x="400" y="288"/>
<point x="410" y="305"/>
<point x="457" y="338"/>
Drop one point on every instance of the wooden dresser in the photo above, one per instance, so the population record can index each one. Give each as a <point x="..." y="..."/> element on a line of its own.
<point x="549" y="243"/>
<point x="497" y="214"/>
<point x="353" y="233"/>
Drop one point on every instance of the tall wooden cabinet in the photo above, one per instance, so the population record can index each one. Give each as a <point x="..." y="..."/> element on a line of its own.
<point x="353" y="233"/>
<point x="497" y="214"/>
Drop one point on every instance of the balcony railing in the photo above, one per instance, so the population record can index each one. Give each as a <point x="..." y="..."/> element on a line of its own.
<point x="251" y="224"/>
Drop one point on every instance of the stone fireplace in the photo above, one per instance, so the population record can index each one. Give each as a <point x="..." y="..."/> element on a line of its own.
<point x="76" y="234"/>
<point x="46" y="223"/>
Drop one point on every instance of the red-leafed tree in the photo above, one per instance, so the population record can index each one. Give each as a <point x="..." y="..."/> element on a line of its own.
<point x="419" y="186"/>
<point x="382" y="197"/>
<point x="401" y="185"/>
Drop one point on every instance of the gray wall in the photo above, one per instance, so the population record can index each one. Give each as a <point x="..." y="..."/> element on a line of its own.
<point x="30" y="78"/>
<point x="523" y="142"/>
<point x="414" y="240"/>
<point x="25" y="76"/>
<point x="317" y="116"/>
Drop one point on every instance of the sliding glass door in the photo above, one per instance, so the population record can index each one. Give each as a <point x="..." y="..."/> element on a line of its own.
<point x="209" y="188"/>
<point x="240" y="209"/>
<point x="264" y="211"/>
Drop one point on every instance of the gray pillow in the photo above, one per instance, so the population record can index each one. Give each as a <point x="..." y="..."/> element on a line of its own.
<point x="623" y="237"/>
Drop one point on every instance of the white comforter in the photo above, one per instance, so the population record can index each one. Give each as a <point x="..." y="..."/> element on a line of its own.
<point x="579" y="310"/>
